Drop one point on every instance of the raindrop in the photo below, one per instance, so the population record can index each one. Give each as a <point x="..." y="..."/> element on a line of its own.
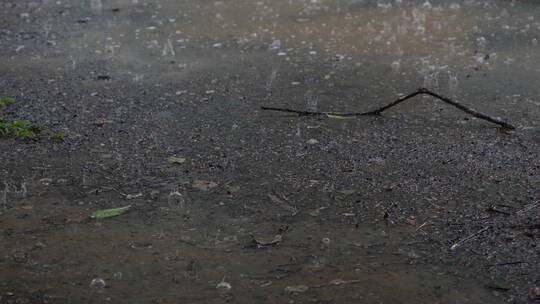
<point x="276" y="44"/>
<point x="224" y="285"/>
<point x="311" y="104"/>
<point x="176" y="198"/>
<point x="430" y="73"/>
<point x="96" y="6"/>
<point x="98" y="283"/>
<point x="481" y="42"/>
<point x="418" y="16"/>
<point x="427" y="5"/>
<point x="395" y="66"/>
<point x="455" y="6"/>
<point x="383" y="5"/>
<point x="452" y="82"/>
<point x="326" y="242"/>
<point x="271" y="79"/>
<point x="47" y="29"/>
<point x="109" y="49"/>
<point x="168" y="49"/>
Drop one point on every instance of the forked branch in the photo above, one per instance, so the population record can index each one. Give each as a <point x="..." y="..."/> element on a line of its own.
<point x="420" y="91"/>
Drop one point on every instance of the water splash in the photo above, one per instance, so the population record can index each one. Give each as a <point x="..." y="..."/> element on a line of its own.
<point x="271" y="79"/>
<point x="452" y="83"/>
<point x="311" y="103"/>
<point x="168" y="49"/>
<point x="176" y="198"/>
<point x="430" y="72"/>
<point x="396" y="65"/>
<point x="96" y="6"/>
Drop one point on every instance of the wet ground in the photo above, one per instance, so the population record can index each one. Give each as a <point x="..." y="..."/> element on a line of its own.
<point x="422" y="205"/>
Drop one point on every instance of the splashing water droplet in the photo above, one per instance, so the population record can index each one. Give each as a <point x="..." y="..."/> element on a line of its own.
<point x="98" y="283"/>
<point x="176" y="198"/>
<point x="311" y="104"/>
<point x="96" y="6"/>
<point x="395" y="66"/>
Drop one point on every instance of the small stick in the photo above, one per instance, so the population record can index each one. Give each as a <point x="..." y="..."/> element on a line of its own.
<point x="528" y="208"/>
<point x="420" y="91"/>
<point x="420" y="227"/>
<point x="460" y="242"/>
<point x="504" y="264"/>
<point x="336" y="282"/>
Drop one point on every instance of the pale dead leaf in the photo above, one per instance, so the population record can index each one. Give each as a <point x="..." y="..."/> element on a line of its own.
<point x="204" y="185"/>
<point x="316" y="211"/>
<point x="176" y="160"/>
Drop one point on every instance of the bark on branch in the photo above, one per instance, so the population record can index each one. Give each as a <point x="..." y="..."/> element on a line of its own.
<point x="421" y="91"/>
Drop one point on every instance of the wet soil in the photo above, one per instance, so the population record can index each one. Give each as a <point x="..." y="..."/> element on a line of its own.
<point x="421" y="205"/>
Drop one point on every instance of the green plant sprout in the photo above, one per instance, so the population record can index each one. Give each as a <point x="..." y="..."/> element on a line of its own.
<point x="5" y="100"/>
<point x="23" y="128"/>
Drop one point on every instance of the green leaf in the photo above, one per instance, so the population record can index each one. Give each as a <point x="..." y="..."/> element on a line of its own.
<point x="109" y="212"/>
<point x="4" y="129"/>
<point x="233" y="189"/>
<point x="339" y="116"/>
<point x="9" y="99"/>
<point x="26" y="133"/>
<point x="348" y="191"/>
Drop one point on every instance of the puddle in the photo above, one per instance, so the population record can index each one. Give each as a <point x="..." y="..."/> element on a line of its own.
<point x="424" y="204"/>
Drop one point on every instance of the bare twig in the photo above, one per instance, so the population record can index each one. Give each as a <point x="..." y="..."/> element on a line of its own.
<point x="460" y="242"/>
<point x="420" y="91"/>
<point x="336" y="282"/>
<point x="528" y="208"/>
<point x="505" y="264"/>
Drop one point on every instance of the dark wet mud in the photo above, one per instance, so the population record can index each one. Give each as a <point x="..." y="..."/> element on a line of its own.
<point x="160" y="101"/>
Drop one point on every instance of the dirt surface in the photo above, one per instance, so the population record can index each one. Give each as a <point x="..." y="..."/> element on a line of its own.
<point x="421" y="205"/>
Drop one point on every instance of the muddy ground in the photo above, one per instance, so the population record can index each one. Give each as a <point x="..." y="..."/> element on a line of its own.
<point x="424" y="204"/>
